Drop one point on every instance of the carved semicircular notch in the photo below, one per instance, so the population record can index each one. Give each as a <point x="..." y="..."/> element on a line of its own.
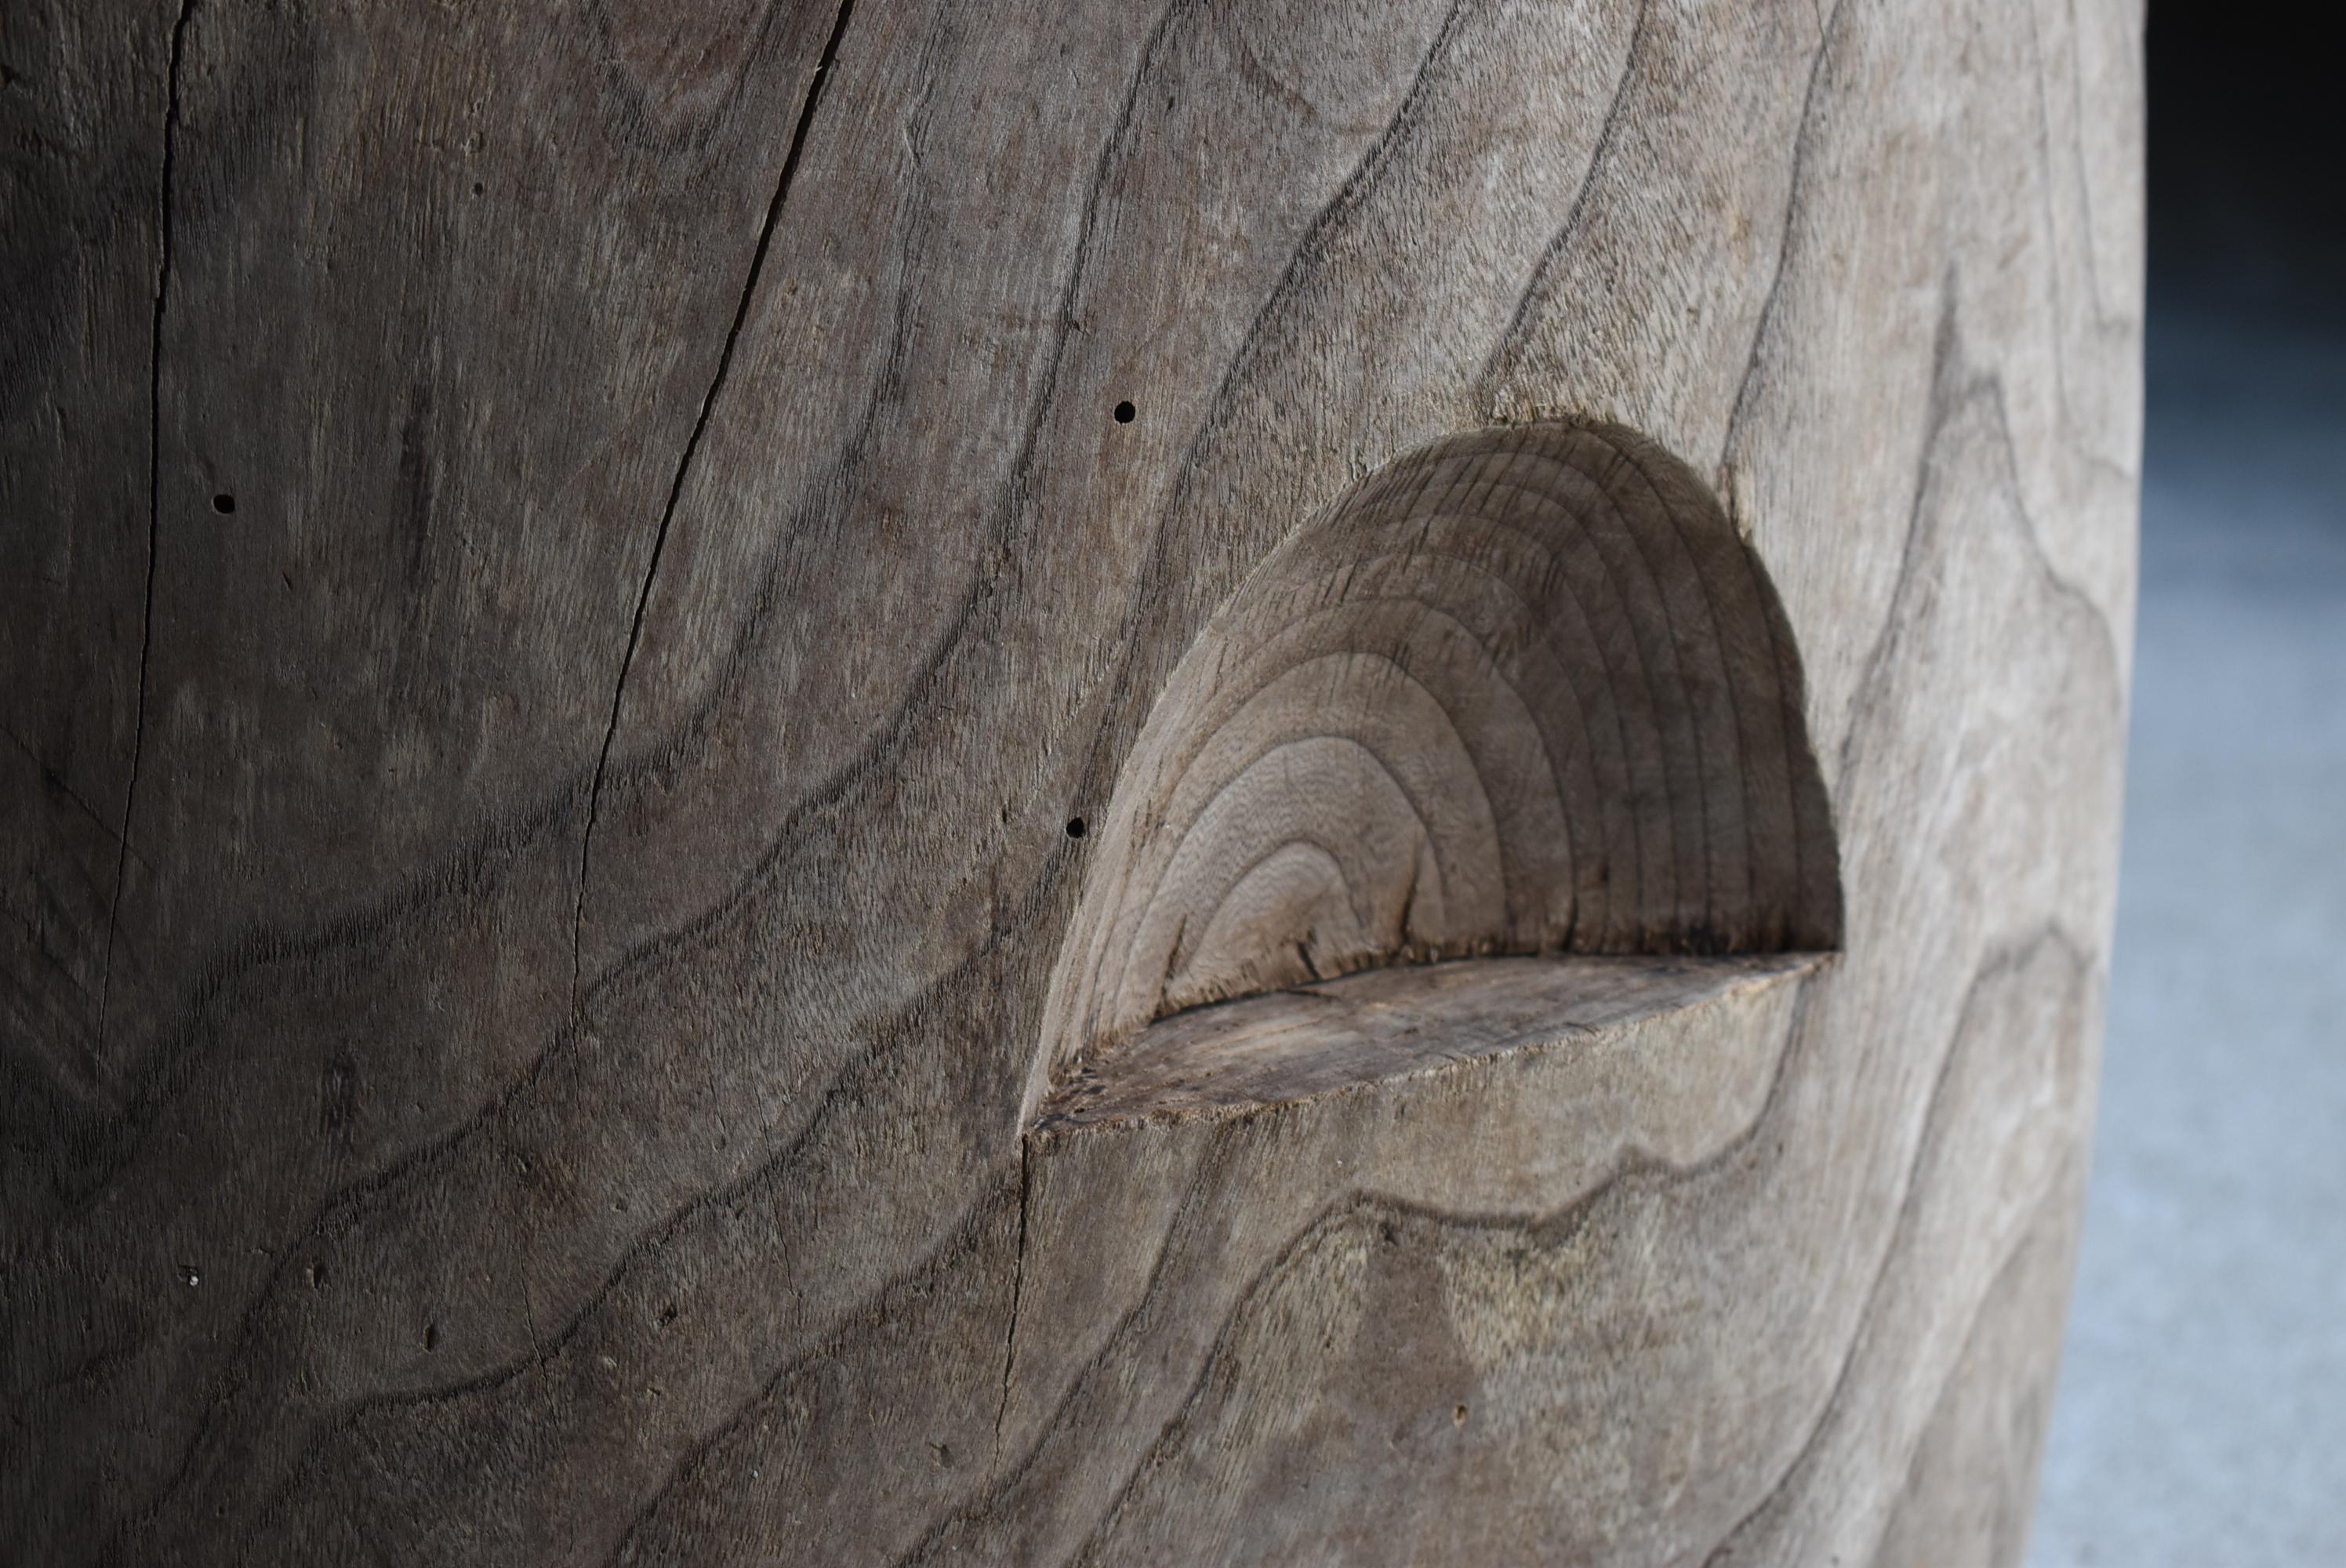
<point x="1524" y="691"/>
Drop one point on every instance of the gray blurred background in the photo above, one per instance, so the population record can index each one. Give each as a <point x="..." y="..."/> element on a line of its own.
<point x="2201" y="1413"/>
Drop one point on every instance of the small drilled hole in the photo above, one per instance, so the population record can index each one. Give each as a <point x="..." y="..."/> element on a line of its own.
<point x="1123" y="413"/>
<point x="223" y="503"/>
<point x="431" y="1335"/>
<point x="1076" y="828"/>
<point x="478" y="188"/>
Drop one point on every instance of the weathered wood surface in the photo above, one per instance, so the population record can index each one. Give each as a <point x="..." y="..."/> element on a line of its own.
<point x="1365" y="1031"/>
<point x="1523" y="691"/>
<point x="567" y="576"/>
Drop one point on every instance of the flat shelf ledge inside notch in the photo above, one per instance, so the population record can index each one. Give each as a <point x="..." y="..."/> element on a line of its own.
<point x="1284" y="1046"/>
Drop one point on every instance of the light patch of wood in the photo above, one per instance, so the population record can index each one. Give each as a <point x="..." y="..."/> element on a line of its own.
<point x="1288" y="1045"/>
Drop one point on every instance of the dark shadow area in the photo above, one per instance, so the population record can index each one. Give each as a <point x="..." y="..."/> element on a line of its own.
<point x="2246" y="224"/>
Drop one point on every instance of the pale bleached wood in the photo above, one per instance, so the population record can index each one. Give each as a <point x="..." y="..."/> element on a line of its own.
<point x="531" y="943"/>
<point x="1353" y="1033"/>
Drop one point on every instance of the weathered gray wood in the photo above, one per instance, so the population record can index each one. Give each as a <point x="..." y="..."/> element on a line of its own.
<point x="567" y="575"/>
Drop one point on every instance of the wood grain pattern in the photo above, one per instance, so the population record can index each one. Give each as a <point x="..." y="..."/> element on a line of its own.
<point x="536" y="929"/>
<point x="1366" y="1029"/>
<point x="1523" y="691"/>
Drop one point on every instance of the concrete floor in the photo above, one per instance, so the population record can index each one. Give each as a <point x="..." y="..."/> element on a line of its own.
<point x="2201" y="1415"/>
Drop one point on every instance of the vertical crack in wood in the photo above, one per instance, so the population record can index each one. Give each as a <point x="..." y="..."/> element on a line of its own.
<point x="154" y="512"/>
<point x="1017" y="1292"/>
<point x="691" y="445"/>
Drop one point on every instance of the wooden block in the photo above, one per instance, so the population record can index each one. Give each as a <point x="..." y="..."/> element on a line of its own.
<point x="700" y="699"/>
